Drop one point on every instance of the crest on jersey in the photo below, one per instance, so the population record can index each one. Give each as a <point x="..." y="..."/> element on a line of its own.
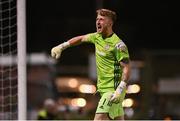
<point x="121" y="46"/>
<point x="107" y="47"/>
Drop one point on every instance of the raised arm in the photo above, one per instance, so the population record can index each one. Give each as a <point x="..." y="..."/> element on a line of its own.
<point x="76" y="40"/>
<point x="57" y="50"/>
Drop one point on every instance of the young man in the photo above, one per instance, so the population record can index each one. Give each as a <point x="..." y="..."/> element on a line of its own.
<point x="112" y="60"/>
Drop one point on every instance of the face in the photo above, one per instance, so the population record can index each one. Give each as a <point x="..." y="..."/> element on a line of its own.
<point x="103" y="23"/>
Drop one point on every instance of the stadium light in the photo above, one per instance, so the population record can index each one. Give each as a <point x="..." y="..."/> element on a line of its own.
<point x="87" y="88"/>
<point x="128" y="102"/>
<point x="135" y="88"/>
<point x="73" y="82"/>
<point x="78" y="102"/>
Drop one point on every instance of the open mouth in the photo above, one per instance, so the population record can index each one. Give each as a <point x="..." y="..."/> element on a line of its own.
<point x="99" y="27"/>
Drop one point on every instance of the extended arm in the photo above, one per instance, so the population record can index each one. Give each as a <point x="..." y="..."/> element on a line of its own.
<point x="56" y="51"/>
<point x="76" y="40"/>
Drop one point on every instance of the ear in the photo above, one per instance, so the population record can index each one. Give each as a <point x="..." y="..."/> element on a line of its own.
<point x="110" y="23"/>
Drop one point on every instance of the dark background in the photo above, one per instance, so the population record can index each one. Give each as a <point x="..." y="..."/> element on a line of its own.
<point x="149" y="24"/>
<point x="150" y="29"/>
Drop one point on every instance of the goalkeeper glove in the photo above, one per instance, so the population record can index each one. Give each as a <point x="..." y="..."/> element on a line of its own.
<point x="56" y="51"/>
<point x="116" y="96"/>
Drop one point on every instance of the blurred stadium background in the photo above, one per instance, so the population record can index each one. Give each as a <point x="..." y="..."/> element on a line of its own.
<point x="150" y="30"/>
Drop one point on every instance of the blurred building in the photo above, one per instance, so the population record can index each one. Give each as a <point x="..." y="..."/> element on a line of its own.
<point x="152" y="92"/>
<point x="74" y="86"/>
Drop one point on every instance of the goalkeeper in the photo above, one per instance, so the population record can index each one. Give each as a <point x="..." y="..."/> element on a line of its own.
<point x="112" y="60"/>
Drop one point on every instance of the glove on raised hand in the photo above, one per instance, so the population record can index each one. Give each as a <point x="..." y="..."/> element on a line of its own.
<point x="57" y="50"/>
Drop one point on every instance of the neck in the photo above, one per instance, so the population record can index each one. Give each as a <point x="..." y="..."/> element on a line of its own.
<point x="108" y="33"/>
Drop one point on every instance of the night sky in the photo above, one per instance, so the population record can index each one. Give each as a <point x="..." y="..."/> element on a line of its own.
<point x="141" y="24"/>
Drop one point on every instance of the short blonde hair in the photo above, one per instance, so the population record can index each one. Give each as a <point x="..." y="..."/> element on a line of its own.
<point x="106" y="12"/>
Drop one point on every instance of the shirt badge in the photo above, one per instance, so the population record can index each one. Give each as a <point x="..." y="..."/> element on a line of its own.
<point x="107" y="47"/>
<point x="121" y="46"/>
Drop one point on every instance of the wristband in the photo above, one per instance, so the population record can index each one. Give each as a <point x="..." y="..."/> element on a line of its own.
<point x="121" y="86"/>
<point x="64" y="45"/>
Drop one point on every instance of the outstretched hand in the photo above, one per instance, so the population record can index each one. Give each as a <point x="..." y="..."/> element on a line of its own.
<point x="56" y="52"/>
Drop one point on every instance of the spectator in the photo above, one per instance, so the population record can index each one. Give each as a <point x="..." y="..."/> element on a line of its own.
<point x="49" y="111"/>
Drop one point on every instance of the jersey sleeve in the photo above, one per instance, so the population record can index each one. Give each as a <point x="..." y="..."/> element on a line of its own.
<point x="121" y="51"/>
<point x="91" y="38"/>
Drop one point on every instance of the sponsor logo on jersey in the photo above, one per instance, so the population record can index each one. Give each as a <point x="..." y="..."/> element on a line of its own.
<point x="101" y="53"/>
<point x="107" y="47"/>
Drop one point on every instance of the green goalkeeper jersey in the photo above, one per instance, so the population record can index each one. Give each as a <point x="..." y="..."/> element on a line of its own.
<point x="109" y="52"/>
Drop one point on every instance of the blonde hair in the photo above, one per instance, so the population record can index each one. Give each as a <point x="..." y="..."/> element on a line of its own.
<point x="108" y="13"/>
